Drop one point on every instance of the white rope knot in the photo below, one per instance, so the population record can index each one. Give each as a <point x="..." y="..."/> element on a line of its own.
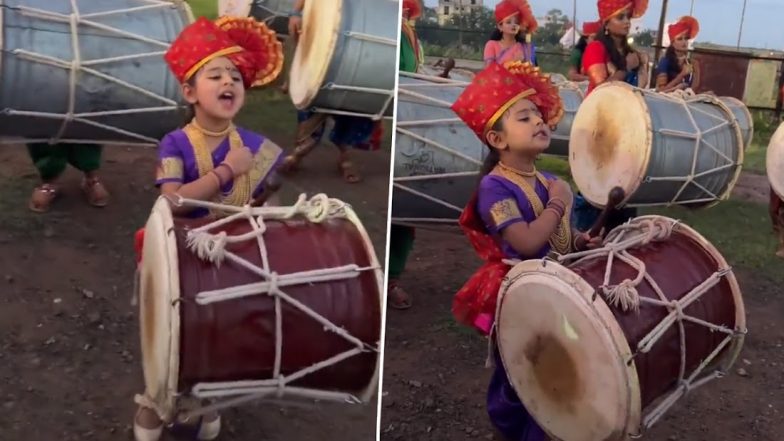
<point x="273" y="283"/>
<point x="210" y="247"/>
<point x="624" y="294"/>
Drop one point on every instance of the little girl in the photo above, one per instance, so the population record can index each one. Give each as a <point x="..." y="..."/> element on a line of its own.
<point x="511" y="40"/>
<point x="210" y="159"/>
<point x="516" y="213"/>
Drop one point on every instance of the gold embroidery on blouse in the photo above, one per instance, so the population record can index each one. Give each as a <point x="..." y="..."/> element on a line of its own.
<point x="561" y="240"/>
<point x="504" y="211"/>
<point x="170" y="168"/>
<point x="263" y="161"/>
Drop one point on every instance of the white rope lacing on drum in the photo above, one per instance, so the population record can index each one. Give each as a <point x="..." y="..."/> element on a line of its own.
<point x="212" y="246"/>
<point x="77" y="65"/>
<point x="699" y="137"/>
<point x="643" y="231"/>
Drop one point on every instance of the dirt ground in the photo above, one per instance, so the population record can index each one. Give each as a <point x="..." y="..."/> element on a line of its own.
<point x="70" y="362"/>
<point x="435" y="381"/>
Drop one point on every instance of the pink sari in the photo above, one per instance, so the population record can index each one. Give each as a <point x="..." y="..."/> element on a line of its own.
<point x="494" y="53"/>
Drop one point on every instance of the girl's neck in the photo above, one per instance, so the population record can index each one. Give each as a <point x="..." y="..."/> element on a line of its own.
<point x="617" y="40"/>
<point x="215" y="127"/>
<point x="521" y="162"/>
<point x="508" y="39"/>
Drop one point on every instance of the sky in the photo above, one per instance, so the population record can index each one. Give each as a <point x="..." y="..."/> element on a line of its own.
<point x="719" y="19"/>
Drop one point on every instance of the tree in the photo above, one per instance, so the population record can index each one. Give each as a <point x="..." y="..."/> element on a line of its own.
<point x="552" y="29"/>
<point x="646" y="38"/>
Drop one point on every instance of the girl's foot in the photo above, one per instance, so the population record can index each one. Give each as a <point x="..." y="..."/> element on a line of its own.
<point x="397" y="297"/>
<point x="349" y="171"/>
<point x="96" y="193"/>
<point x="42" y="198"/>
<point x="146" y="425"/>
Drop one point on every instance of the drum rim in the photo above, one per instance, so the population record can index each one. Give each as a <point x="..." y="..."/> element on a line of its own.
<point x="629" y="382"/>
<point x="223" y="6"/>
<point x="740" y="104"/>
<point x="645" y="154"/>
<point x="775" y="176"/>
<point x="304" y="92"/>
<point x="170" y="315"/>
<point x="373" y="387"/>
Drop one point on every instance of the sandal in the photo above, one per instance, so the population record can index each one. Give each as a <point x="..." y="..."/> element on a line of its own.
<point x="141" y="425"/>
<point x="96" y="193"/>
<point x="42" y="198"/>
<point x="397" y="298"/>
<point x="349" y="171"/>
<point x="206" y="428"/>
<point x="291" y="162"/>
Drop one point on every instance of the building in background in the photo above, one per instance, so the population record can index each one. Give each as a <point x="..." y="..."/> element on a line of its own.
<point x="448" y="8"/>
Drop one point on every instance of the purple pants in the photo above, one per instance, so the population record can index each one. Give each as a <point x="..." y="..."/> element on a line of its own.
<point x="506" y="411"/>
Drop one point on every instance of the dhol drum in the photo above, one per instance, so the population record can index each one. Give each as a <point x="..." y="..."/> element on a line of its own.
<point x="280" y="301"/>
<point x="601" y="347"/>
<point x="275" y="13"/>
<point x="437" y="157"/>
<point x="661" y="149"/>
<point x="774" y="161"/>
<point x="572" y="98"/>
<point x="100" y="78"/>
<point x="346" y="58"/>
<point x="742" y="117"/>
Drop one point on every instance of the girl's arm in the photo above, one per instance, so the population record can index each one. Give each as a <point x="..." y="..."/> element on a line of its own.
<point x="489" y="53"/>
<point x="202" y="189"/>
<point x="576" y="76"/>
<point x="528" y="238"/>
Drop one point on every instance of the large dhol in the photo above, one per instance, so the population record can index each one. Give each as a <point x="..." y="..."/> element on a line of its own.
<point x="275" y="13"/>
<point x="774" y="161"/>
<point x="91" y="74"/>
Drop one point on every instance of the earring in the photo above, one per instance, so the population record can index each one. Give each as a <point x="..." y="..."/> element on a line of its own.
<point x="606" y="32"/>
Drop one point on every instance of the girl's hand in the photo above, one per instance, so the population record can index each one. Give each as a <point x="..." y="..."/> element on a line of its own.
<point x="632" y="61"/>
<point x="586" y="242"/>
<point x="560" y="189"/>
<point x="239" y="160"/>
<point x="295" y="26"/>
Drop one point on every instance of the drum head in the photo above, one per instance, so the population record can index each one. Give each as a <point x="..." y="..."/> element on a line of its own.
<point x="159" y="287"/>
<point x="774" y="161"/>
<point x="610" y="142"/>
<point x="321" y="24"/>
<point x="234" y="8"/>
<point x="565" y="355"/>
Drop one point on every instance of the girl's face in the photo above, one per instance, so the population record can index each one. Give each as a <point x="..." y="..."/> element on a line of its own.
<point x="681" y="42"/>
<point x="524" y="130"/>
<point x="217" y="90"/>
<point x="620" y="24"/>
<point x="510" y="25"/>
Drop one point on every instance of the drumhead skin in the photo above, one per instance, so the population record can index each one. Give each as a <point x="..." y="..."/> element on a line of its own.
<point x="234" y="8"/>
<point x="159" y="288"/>
<point x="565" y="351"/>
<point x="774" y="161"/>
<point x="315" y="50"/>
<point x="610" y="142"/>
<point x="565" y="355"/>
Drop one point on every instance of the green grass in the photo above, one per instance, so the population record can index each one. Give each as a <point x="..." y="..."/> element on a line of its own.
<point x="754" y="159"/>
<point x="207" y="8"/>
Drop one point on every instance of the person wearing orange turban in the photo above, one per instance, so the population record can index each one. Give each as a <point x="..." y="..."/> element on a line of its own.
<point x="511" y="40"/>
<point x="588" y="34"/>
<point x="516" y="212"/>
<point x="675" y="72"/>
<point x="210" y="158"/>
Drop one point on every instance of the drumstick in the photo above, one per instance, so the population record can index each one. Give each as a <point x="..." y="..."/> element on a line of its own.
<point x="614" y="198"/>
<point x="450" y="64"/>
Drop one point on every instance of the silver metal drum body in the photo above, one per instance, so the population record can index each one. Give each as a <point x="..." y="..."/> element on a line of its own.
<point x="572" y="97"/>
<point x="275" y="13"/>
<point x="360" y="78"/>
<point x="660" y="149"/>
<point x="437" y="157"/>
<point x="742" y="116"/>
<point x="105" y="70"/>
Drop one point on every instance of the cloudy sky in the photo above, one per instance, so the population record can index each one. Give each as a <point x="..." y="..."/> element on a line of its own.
<point x="719" y="19"/>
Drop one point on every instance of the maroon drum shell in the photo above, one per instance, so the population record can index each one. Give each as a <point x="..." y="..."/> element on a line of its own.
<point x="235" y="340"/>
<point x="677" y="265"/>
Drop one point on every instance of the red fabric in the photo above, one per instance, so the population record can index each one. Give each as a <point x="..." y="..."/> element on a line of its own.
<point x="592" y="27"/>
<point x="414" y="8"/>
<point x="138" y="245"/>
<point x="595" y="53"/>
<point x="497" y="85"/>
<point x="610" y="8"/>
<point x="479" y="295"/>
<point x="684" y="24"/>
<point x="260" y="60"/>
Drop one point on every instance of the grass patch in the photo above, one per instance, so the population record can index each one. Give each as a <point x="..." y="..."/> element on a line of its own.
<point x="754" y="159"/>
<point x="740" y="230"/>
<point x="207" y="8"/>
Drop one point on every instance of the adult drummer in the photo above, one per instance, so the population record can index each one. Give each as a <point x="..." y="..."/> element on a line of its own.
<point x="349" y="132"/>
<point x="675" y="71"/>
<point x="610" y="58"/>
<point x="589" y="31"/>
<point x="401" y="237"/>
<point x="51" y="160"/>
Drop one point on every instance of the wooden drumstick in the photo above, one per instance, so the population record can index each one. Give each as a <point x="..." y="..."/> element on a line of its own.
<point x="614" y="198"/>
